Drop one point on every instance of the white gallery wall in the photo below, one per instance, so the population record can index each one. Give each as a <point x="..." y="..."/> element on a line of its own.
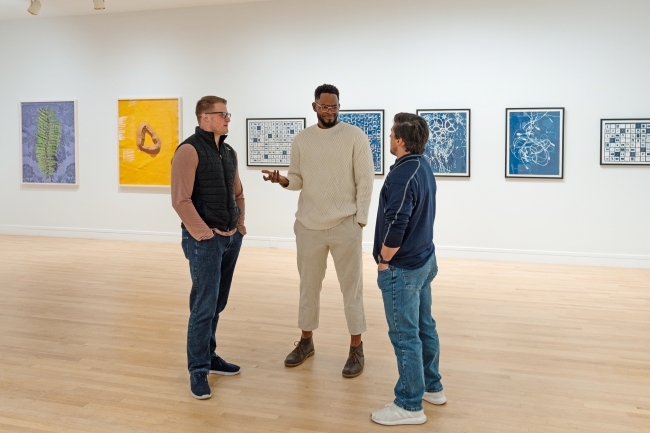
<point x="589" y="56"/>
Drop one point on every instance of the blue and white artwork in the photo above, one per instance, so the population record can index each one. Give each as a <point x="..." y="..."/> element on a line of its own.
<point x="49" y="144"/>
<point x="534" y="142"/>
<point x="625" y="142"/>
<point x="448" y="148"/>
<point x="269" y="140"/>
<point x="372" y="123"/>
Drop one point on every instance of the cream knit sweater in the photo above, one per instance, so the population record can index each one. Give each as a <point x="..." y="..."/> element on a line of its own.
<point x="334" y="169"/>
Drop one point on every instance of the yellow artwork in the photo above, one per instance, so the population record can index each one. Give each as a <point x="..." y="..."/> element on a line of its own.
<point x="148" y="137"/>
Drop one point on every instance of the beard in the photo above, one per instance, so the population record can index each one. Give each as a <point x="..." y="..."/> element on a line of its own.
<point x="328" y="124"/>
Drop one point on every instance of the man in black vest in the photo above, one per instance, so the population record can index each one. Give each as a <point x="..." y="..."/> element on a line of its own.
<point x="208" y="196"/>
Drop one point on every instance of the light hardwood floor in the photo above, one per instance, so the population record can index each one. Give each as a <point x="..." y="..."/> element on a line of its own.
<point x="92" y="339"/>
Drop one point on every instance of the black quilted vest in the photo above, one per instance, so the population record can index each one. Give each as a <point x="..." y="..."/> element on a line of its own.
<point x="214" y="184"/>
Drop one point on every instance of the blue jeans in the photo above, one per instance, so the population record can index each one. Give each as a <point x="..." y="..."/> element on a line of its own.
<point x="412" y="330"/>
<point x="212" y="264"/>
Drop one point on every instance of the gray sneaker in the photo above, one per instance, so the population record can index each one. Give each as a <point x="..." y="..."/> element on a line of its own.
<point x="354" y="364"/>
<point x="304" y="349"/>
<point x="435" y="397"/>
<point x="395" y="415"/>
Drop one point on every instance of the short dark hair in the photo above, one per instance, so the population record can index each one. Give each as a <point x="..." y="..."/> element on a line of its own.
<point x="326" y="88"/>
<point x="206" y="103"/>
<point x="413" y="129"/>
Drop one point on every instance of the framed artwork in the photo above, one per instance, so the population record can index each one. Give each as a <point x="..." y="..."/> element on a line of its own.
<point x="625" y="142"/>
<point x="149" y="132"/>
<point x="49" y="152"/>
<point x="372" y="123"/>
<point x="448" y="150"/>
<point x="535" y="142"/>
<point x="268" y="141"/>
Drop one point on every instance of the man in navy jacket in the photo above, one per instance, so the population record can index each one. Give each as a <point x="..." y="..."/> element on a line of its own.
<point x="406" y="259"/>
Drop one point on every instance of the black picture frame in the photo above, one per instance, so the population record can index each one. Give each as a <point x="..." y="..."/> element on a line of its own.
<point x="454" y="135"/>
<point x="621" y="150"/>
<point x="268" y="140"/>
<point x="534" y="145"/>
<point x="365" y="119"/>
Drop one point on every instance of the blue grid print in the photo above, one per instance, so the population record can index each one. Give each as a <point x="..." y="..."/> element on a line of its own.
<point x="371" y="122"/>
<point x="269" y="141"/>
<point x="626" y="142"/>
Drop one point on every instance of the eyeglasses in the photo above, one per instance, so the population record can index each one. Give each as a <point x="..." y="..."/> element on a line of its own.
<point x="223" y="114"/>
<point x="327" y="108"/>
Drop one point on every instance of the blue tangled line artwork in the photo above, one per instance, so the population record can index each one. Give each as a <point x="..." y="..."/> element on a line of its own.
<point x="534" y="142"/>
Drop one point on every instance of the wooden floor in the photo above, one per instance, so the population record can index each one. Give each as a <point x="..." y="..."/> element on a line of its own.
<point x="92" y="339"/>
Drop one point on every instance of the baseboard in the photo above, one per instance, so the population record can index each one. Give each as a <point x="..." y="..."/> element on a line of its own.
<point x="91" y="233"/>
<point x="270" y="242"/>
<point x="470" y="253"/>
<point x="554" y="257"/>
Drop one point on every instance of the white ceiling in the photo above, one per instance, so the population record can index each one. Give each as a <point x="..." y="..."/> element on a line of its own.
<point x="17" y="9"/>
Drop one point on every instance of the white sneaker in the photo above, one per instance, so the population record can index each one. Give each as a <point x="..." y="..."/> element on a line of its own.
<point x="395" y="415"/>
<point x="435" y="397"/>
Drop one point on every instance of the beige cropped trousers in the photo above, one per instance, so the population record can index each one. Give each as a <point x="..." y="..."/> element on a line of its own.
<point x="344" y="242"/>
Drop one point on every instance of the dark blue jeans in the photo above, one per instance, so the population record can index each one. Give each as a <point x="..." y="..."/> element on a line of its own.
<point x="412" y="330"/>
<point x="212" y="264"/>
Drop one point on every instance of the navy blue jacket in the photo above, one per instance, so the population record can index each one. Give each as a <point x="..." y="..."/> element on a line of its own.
<point x="407" y="208"/>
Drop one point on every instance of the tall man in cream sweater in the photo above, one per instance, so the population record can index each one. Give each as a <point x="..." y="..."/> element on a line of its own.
<point x="331" y="163"/>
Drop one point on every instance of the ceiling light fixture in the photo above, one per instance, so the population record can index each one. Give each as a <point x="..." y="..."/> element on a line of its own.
<point x="99" y="5"/>
<point x="34" y="7"/>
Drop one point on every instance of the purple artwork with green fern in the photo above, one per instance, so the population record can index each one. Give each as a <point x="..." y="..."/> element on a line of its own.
<point x="49" y="142"/>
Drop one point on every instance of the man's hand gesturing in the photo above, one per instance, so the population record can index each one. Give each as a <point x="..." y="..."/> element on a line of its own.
<point x="274" y="176"/>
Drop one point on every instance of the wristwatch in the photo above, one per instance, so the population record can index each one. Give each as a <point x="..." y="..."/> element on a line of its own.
<point x="382" y="261"/>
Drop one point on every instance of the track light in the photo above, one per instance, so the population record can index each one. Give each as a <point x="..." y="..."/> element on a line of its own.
<point x="34" y="7"/>
<point x="99" y="5"/>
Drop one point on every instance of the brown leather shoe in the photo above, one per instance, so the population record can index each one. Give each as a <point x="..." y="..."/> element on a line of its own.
<point x="304" y="349"/>
<point x="354" y="364"/>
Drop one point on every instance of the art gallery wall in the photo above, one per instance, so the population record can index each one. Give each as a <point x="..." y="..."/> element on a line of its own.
<point x="266" y="58"/>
